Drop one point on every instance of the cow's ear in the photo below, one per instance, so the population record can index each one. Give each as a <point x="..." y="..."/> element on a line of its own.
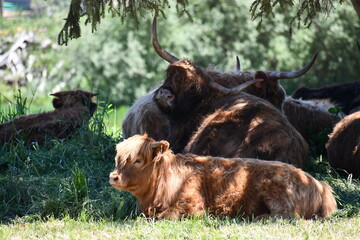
<point x="57" y="103"/>
<point x="261" y="75"/>
<point x="58" y="94"/>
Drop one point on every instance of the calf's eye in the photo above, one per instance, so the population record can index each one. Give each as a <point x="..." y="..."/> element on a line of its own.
<point x="137" y="161"/>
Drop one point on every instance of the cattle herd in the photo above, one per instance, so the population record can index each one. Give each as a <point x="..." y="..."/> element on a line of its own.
<point x="234" y="144"/>
<point x="230" y="144"/>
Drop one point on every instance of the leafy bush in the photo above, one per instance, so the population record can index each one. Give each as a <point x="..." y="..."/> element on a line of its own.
<point x="118" y="59"/>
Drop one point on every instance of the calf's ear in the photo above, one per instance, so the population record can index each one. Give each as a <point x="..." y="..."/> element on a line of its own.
<point x="160" y="147"/>
<point x="57" y="103"/>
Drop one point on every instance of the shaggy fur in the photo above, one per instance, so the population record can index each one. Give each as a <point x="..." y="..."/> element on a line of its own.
<point x="144" y="116"/>
<point x="346" y="95"/>
<point x="248" y="127"/>
<point x="176" y="186"/>
<point x="72" y="108"/>
<point x="244" y="125"/>
<point x="268" y="89"/>
<point x="309" y="118"/>
<point x="343" y="147"/>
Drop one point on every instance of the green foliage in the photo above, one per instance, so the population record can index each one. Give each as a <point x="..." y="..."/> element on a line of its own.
<point x="119" y="62"/>
<point x="335" y="110"/>
<point x="67" y="177"/>
<point x="95" y="11"/>
<point x="306" y="12"/>
<point x="317" y="141"/>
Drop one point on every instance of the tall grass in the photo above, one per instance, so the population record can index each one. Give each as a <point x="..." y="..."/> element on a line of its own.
<point x="69" y="177"/>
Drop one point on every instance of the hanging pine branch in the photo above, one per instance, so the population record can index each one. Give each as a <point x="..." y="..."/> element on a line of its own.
<point x="307" y="10"/>
<point x="95" y="10"/>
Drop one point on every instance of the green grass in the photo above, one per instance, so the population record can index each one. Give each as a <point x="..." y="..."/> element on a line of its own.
<point x="205" y="228"/>
<point x="61" y="191"/>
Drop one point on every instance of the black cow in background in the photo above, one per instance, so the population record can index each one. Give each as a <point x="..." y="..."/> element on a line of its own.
<point x="346" y="95"/>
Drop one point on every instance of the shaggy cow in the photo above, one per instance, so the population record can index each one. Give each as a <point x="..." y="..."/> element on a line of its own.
<point x="144" y="116"/>
<point x="268" y="89"/>
<point x="309" y="118"/>
<point x="176" y="186"/>
<point x="140" y="116"/>
<point x="243" y="125"/>
<point x="246" y="126"/>
<point x="346" y="96"/>
<point x="72" y="108"/>
<point x="203" y="115"/>
<point x="343" y="147"/>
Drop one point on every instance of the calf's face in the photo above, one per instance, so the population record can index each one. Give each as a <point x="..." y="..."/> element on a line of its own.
<point x="68" y="99"/>
<point x="135" y="162"/>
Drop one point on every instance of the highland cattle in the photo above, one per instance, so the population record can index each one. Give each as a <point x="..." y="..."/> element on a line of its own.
<point x="72" y="109"/>
<point x="185" y="185"/>
<point x="343" y="147"/>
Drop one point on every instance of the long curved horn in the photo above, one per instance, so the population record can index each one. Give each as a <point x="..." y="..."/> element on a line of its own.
<point x="238" y="68"/>
<point x="161" y="52"/>
<point x="289" y="75"/>
<point x="234" y="90"/>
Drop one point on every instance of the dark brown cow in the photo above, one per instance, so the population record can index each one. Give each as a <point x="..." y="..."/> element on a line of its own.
<point x="72" y="108"/>
<point x="176" y="186"/>
<point x="343" y="147"/>
<point x="309" y="118"/>
<point x="144" y="115"/>
<point x="268" y="89"/>
<point x="204" y="115"/>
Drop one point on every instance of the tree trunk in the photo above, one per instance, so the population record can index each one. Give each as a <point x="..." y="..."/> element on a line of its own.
<point x="1" y="8"/>
<point x="356" y="4"/>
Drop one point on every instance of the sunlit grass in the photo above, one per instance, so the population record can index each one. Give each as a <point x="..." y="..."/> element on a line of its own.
<point x="205" y="228"/>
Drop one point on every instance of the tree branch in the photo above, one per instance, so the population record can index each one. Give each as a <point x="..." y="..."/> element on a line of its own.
<point x="356" y="4"/>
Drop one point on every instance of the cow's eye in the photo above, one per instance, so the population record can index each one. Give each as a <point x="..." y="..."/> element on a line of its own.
<point x="137" y="161"/>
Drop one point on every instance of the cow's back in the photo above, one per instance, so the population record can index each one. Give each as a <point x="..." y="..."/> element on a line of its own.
<point x="249" y="126"/>
<point x="343" y="147"/>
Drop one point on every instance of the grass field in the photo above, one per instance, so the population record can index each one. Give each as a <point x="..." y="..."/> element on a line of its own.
<point x="61" y="191"/>
<point x="206" y="228"/>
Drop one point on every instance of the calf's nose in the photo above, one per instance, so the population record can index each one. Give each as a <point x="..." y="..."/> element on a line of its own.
<point x="114" y="177"/>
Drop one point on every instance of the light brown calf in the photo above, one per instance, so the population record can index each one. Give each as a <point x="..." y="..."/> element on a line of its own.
<point x="175" y="186"/>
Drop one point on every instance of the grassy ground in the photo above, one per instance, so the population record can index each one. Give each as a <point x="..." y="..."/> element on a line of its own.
<point x="61" y="191"/>
<point x="206" y="228"/>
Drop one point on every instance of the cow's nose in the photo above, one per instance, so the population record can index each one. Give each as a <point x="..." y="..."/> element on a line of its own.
<point x="113" y="177"/>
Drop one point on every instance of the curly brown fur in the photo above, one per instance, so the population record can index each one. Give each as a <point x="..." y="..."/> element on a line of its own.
<point x="343" y="147"/>
<point x="309" y="118"/>
<point x="176" y="186"/>
<point x="200" y="118"/>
